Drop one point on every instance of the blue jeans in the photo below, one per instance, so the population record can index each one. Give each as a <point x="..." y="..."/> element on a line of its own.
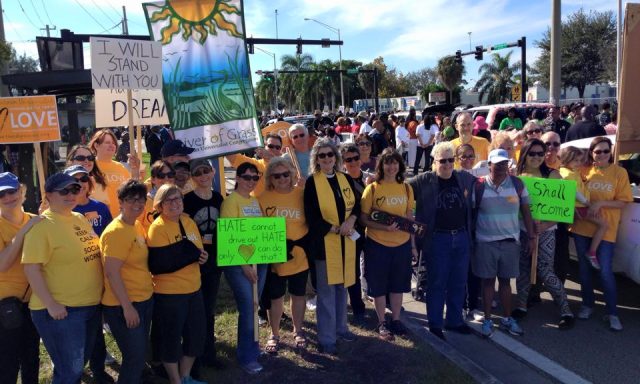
<point x="69" y="341"/>
<point x="331" y="310"/>
<point x="447" y="271"/>
<point x="605" y="258"/>
<point x="248" y="350"/>
<point x="132" y="342"/>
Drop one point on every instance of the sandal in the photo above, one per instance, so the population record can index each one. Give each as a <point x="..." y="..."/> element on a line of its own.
<point x="273" y="345"/>
<point x="300" y="340"/>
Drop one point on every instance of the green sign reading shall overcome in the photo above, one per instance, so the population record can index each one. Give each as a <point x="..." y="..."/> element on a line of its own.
<point x="251" y="240"/>
<point x="551" y="199"/>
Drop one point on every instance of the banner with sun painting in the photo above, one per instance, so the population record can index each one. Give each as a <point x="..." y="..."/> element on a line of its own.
<point x="206" y="76"/>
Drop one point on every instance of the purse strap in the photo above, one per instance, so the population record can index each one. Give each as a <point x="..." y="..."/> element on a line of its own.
<point x="25" y="292"/>
<point x="182" y="232"/>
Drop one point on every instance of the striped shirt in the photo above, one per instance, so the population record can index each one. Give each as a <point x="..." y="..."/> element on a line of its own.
<point x="498" y="211"/>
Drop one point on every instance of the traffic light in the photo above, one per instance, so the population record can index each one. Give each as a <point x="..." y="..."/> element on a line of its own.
<point x="459" y="57"/>
<point x="268" y="78"/>
<point x="299" y="47"/>
<point x="479" y="51"/>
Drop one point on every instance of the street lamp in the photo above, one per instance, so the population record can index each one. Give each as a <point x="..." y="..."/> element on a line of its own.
<point x="336" y="30"/>
<point x="275" y="78"/>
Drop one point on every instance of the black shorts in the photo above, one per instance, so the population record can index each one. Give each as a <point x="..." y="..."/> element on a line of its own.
<point x="182" y="325"/>
<point x="387" y="269"/>
<point x="297" y="284"/>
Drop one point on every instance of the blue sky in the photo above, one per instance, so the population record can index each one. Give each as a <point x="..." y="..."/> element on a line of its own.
<point x="409" y="34"/>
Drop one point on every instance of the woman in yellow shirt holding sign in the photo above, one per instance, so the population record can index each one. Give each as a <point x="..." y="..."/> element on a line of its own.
<point x="61" y="259"/>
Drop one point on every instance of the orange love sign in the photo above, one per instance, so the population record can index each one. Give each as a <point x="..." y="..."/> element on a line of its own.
<point x="28" y="119"/>
<point x="281" y="128"/>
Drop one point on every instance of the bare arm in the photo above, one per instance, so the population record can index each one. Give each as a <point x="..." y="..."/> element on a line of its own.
<point x="112" y="268"/>
<point x="12" y="251"/>
<point x="34" y="275"/>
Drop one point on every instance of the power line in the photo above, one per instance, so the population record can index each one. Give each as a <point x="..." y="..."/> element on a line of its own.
<point x="46" y="12"/>
<point x="90" y="15"/>
<point x="114" y="9"/>
<point x="11" y="25"/>
<point x="37" y="14"/>
<point x="27" y="16"/>
<point x="107" y="30"/>
<point x="103" y="12"/>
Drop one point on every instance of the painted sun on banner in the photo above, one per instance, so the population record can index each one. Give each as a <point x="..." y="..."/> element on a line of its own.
<point x="206" y="77"/>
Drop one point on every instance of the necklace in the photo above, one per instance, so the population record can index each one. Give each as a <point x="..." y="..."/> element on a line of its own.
<point x="204" y="195"/>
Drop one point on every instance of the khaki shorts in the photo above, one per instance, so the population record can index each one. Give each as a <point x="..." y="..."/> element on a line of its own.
<point x="496" y="259"/>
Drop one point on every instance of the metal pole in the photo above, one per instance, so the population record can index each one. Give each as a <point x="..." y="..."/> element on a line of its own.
<point x="375" y="90"/>
<point x="469" y="41"/>
<point x="341" y="81"/>
<point x="275" y="83"/>
<point x="125" y="25"/>
<point x="523" y="69"/>
<point x="276" y="23"/>
<point x="556" y="42"/>
<point x="619" y="49"/>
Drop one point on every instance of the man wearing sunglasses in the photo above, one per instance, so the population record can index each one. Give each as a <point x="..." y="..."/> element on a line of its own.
<point x="586" y="127"/>
<point x="272" y="148"/>
<point x="299" y="139"/>
<point x="554" y="123"/>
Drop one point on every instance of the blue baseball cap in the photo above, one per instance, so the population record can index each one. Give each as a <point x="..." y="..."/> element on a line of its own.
<point x="498" y="155"/>
<point x="74" y="170"/>
<point x="8" y="181"/>
<point x="59" y="181"/>
<point x="175" y="147"/>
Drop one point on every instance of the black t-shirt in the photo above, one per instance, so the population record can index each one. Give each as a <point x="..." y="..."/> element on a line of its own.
<point x="205" y="213"/>
<point x="450" y="207"/>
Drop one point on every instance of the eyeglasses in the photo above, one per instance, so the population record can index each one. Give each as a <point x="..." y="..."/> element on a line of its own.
<point x="297" y="136"/>
<point x="364" y="144"/>
<point x="324" y="155"/>
<point x="350" y="159"/>
<point x="162" y="175"/>
<point x="448" y="160"/>
<point x="532" y="131"/>
<point x="135" y="200"/>
<point x="84" y="158"/>
<point x="201" y="171"/>
<point x="74" y="190"/>
<point x="602" y="151"/>
<point x="8" y="192"/>
<point x="250" y="177"/>
<point x="552" y="144"/>
<point x="83" y="179"/>
<point x="467" y="157"/>
<point x="277" y="147"/>
<point x="277" y="176"/>
<point x="174" y="200"/>
<point x="536" y="153"/>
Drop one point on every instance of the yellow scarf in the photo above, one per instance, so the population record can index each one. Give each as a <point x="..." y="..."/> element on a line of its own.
<point x="341" y="267"/>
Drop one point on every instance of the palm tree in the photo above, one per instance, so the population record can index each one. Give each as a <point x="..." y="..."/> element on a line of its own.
<point x="264" y="92"/>
<point x="450" y="74"/>
<point x="496" y="78"/>
<point x="292" y="84"/>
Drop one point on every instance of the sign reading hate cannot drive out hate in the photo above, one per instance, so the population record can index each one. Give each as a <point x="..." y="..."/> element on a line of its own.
<point x="125" y="64"/>
<point x="28" y="119"/>
<point x="251" y="240"/>
<point x="147" y="106"/>
<point x="551" y="199"/>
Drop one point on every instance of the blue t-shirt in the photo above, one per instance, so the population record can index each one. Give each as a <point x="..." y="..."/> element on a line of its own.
<point x="96" y="213"/>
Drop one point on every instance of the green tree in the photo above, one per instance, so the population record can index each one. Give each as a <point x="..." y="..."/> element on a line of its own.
<point x="289" y="84"/>
<point x="22" y="63"/>
<point x="496" y="78"/>
<point x="6" y="52"/>
<point x="587" y="50"/>
<point x="419" y="80"/>
<point x="450" y="73"/>
<point x="264" y="92"/>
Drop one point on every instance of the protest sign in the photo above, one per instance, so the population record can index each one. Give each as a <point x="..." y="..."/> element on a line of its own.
<point x="251" y="240"/>
<point x="551" y="199"/>
<point x="125" y="64"/>
<point x="29" y="119"/>
<point x="281" y="128"/>
<point x="147" y="105"/>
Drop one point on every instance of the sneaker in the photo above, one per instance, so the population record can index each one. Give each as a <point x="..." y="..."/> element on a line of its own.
<point x="384" y="333"/>
<point x="585" y="313"/>
<point x="474" y="315"/>
<point x="519" y="313"/>
<point x="397" y="328"/>
<point x="511" y="325"/>
<point x="109" y="360"/>
<point x="438" y="332"/>
<point x="262" y="321"/>
<point x="487" y="328"/>
<point x="566" y="322"/>
<point x="347" y="336"/>
<point x="312" y="303"/>
<point x="614" y="323"/>
<point x="251" y="368"/>
<point x="462" y="329"/>
<point x="593" y="259"/>
<point x="191" y="380"/>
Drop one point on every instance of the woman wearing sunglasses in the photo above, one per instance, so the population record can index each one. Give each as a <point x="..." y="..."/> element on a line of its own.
<point x="282" y="199"/>
<point x="83" y="156"/>
<point x="61" y="258"/>
<point x="241" y="278"/>
<point x="608" y="186"/>
<point x="531" y="164"/>
<point x="367" y="162"/>
<point x="466" y="157"/>
<point x="161" y="173"/>
<point x="332" y="206"/>
<point x="18" y="344"/>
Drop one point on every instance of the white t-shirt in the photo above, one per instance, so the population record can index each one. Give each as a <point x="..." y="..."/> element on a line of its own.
<point x="426" y="134"/>
<point x="365" y="128"/>
<point x="402" y="135"/>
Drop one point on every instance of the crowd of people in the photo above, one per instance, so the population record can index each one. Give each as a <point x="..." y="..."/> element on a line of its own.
<point x="140" y="256"/>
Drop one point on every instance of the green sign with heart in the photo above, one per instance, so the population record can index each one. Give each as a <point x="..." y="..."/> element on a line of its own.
<point x="251" y="240"/>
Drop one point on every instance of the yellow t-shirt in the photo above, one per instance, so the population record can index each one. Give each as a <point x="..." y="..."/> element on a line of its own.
<point x="147" y="215"/>
<point x="164" y="232"/>
<point x="291" y="207"/>
<point x="555" y="164"/>
<point x="480" y="147"/>
<point x="611" y="183"/>
<point x="13" y="282"/>
<point x="69" y="252"/>
<point x="261" y="164"/>
<point x="99" y="193"/>
<point x="127" y="243"/>
<point x="568" y="174"/>
<point x="393" y="198"/>
<point x="238" y="206"/>
<point x="115" y="174"/>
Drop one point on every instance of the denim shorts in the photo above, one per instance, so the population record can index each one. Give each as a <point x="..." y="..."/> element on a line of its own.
<point x="182" y="325"/>
<point x="296" y="283"/>
<point x="387" y="269"/>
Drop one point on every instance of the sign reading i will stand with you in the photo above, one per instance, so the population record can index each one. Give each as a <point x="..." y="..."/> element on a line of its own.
<point x="251" y="240"/>
<point x="125" y="64"/>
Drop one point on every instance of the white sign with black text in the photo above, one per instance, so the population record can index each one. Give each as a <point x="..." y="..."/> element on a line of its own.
<point x="147" y="106"/>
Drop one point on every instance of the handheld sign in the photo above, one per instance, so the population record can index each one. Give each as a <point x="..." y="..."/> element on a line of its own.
<point x="404" y="224"/>
<point x="28" y="119"/>
<point x="251" y="240"/>
<point x="551" y="199"/>
<point x="148" y="107"/>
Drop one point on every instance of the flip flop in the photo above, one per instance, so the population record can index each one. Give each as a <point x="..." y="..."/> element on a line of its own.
<point x="300" y="340"/>
<point x="273" y="345"/>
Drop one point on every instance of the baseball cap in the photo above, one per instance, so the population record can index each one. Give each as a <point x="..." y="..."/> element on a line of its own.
<point x="59" y="181"/>
<point x="498" y="155"/>
<point x="199" y="164"/>
<point x="181" y="165"/>
<point x="363" y="114"/>
<point x="8" y="181"/>
<point x="175" y="147"/>
<point x="74" y="170"/>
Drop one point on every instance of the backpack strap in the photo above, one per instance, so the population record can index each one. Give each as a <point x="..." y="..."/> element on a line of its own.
<point x="478" y="187"/>
<point x="518" y="184"/>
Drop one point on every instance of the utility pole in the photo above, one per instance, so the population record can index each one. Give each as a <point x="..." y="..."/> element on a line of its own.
<point x="469" y="40"/>
<point x="125" y="25"/>
<point x="4" y="92"/>
<point x="556" y="42"/>
<point x="48" y="29"/>
<point x="276" y="23"/>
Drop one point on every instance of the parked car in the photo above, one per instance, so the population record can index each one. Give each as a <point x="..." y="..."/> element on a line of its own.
<point x="494" y="113"/>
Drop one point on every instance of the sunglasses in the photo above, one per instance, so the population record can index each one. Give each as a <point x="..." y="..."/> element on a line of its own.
<point x="351" y="159"/>
<point x="467" y="157"/>
<point x="602" y="151"/>
<point x="83" y="179"/>
<point x="273" y="146"/>
<point x="174" y="200"/>
<point x="201" y="171"/>
<point x="135" y="200"/>
<point x="364" y="144"/>
<point x="84" y="158"/>
<point x="277" y="176"/>
<point x="162" y="175"/>
<point x="74" y="190"/>
<point x="250" y="177"/>
<point x="552" y="144"/>
<point x="297" y="136"/>
<point x="531" y="132"/>
<point x="536" y="153"/>
<point x="8" y="192"/>
<point x="324" y="155"/>
<point x="448" y="160"/>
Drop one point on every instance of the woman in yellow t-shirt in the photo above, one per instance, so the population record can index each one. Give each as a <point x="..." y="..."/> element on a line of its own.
<point x="161" y="173"/>
<point x="105" y="145"/>
<point x="178" y="300"/>
<point x="388" y="251"/>
<point x="282" y="199"/>
<point x="18" y="346"/>
<point x="61" y="259"/>
<point x="82" y="155"/>
<point x="127" y="299"/>
<point x="609" y="191"/>
<point x="241" y="278"/>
